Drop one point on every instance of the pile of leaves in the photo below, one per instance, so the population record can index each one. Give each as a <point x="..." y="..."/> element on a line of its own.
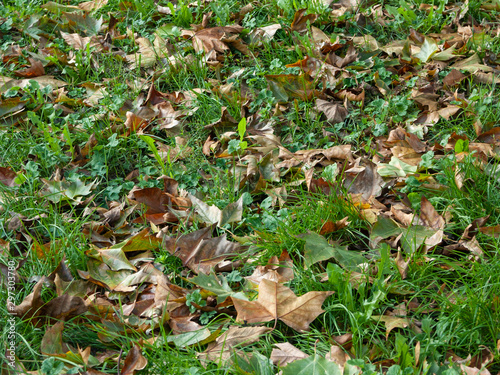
<point x="177" y="179"/>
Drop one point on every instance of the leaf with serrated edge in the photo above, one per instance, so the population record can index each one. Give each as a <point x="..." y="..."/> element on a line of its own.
<point x="276" y="301"/>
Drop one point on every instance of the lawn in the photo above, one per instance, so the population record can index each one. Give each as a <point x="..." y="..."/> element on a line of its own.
<point x="232" y="187"/>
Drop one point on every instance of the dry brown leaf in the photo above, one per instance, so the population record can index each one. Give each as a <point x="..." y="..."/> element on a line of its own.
<point x="453" y="78"/>
<point x="263" y="34"/>
<point x="229" y="341"/>
<point x="391" y="322"/>
<point x="80" y="43"/>
<point x="7" y="177"/>
<point x="277" y="270"/>
<point x="134" y="361"/>
<point x="33" y="307"/>
<point x="35" y="70"/>
<point x="344" y="341"/>
<point x="285" y="354"/>
<point x="402" y="265"/>
<point x="330" y="226"/>
<point x="218" y="40"/>
<point x="199" y="251"/>
<point x="338" y="355"/>
<point x="364" y="180"/>
<point x="300" y="20"/>
<point x="90" y="6"/>
<point x="429" y="216"/>
<point x="334" y="112"/>
<point x="276" y="301"/>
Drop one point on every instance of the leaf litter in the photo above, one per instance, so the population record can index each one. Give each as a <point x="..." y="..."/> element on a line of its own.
<point x="402" y="89"/>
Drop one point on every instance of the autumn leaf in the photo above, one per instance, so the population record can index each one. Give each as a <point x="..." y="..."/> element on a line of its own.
<point x="199" y="251"/>
<point x="213" y="215"/>
<point x="334" y="112"/>
<point x="35" y="70"/>
<point x="317" y="249"/>
<point x="301" y="20"/>
<point x="217" y="285"/>
<point x="134" y="361"/>
<point x="427" y="50"/>
<point x="391" y="322"/>
<point x="279" y="270"/>
<point x="286" y="353"/>
<point x="33" y="307"/>
<point x="8" y="177"/>
<point x="231" y="340"/>
<point x="276" y="301"/>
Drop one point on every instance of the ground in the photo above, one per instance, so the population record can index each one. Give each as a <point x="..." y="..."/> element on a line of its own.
<point x="229" y="187"/>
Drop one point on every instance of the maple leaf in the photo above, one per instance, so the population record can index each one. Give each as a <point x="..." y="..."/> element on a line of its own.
<point x="276" y="301"/>
<point x="213" y="215"/>
<point x="35" y="70"/>
<point x="391" y="322"/>
<point x="8" y="177"/>
<point x="199" y="251"/>
<point x="300" y="20"/>
<point x="134" y="361"/>
<point x="286" y="353"/>
<point x="63" y="307"/>
<point x="229" y="341"/>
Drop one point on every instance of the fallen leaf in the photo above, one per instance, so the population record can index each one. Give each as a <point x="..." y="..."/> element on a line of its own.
<point x="300" y="20"/>
<point x="277" y="270"/>
<point x="33" y="307"/>
<point x="276" y="301"/>
<point x="199" y="251"/>
<point x="134" y="361"/>
<point x="427" y="50"/>
<point x="8" y="177"/>
<point x="90" y="6"/>
<point x="213" y="215"/>
<point x="331" y="227"/>
<point x="218" y="39"/>
<point x="217" y="285"/>
<point x="285" y="86"/>
<point x="472" y="65"/>
<point x="35" y="70"/>
<point x="334" y="112"/>
<point x="429" y="215"/>
<point x="231" y="340"/>
<point x="366" y="182"/>
<point x="338" y="356"/>
<point x="391" y="322"/>
<point x="43" y="82"/>
<point x="396" y="168"/>
<point x="313" y="365"/>
<point x="402" y="265"/>
<point x="285" y="354"/>
<point x="317" y="249"/>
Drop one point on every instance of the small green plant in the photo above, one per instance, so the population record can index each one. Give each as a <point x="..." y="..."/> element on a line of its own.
<point x="166" y="168"/>
<point x="195" y="297"/>
<point x="234" y="145"/>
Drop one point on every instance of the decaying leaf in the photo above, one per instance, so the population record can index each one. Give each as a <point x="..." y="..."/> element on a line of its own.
<point x="334" y="112"/>
<point x="231" y="340"/>
<point x="301" y="20"/>
<point x="286" y="353"/>
<point x="199" y="251"/>
<point x="317" y="249"/>
<point x="134" y="361"/>
<point x="8" y="177"/>
<point x="391" y="322"/>
<point x="276" y="301"/>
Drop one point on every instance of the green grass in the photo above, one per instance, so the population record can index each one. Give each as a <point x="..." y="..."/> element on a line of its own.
<point x="452" y="298"/>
